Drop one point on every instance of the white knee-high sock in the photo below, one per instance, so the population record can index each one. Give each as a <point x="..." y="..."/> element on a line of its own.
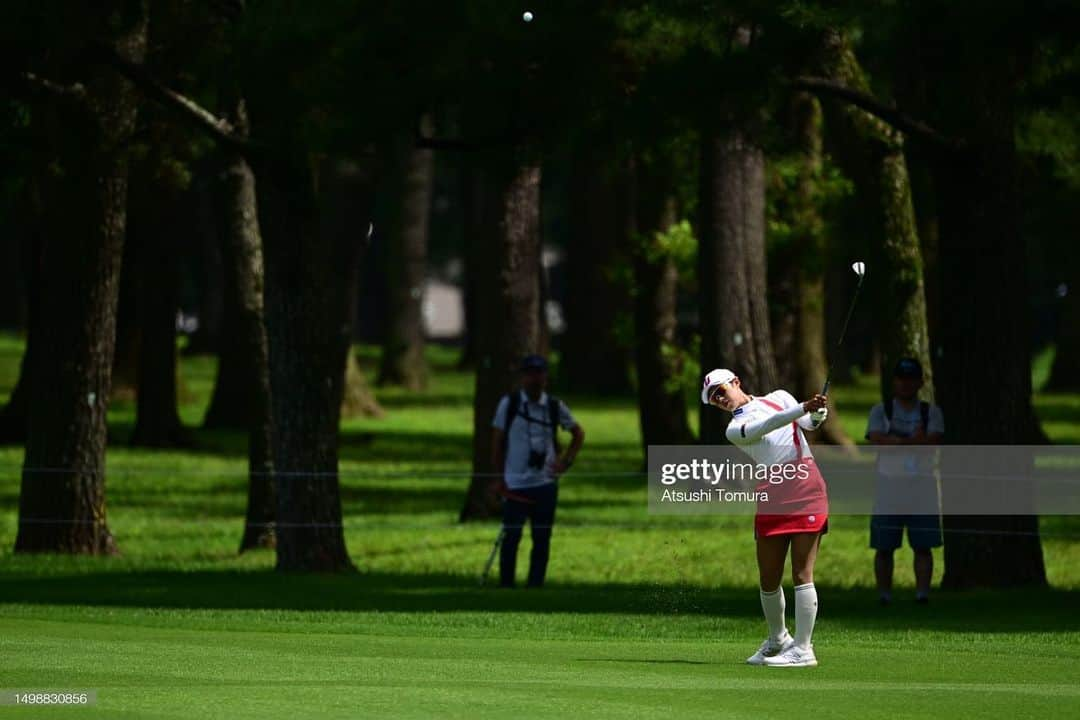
<point x="773" y="605"/>
<point x="805" y="613"/>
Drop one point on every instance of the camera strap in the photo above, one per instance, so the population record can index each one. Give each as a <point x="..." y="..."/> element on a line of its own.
<point x="514" y="408"/>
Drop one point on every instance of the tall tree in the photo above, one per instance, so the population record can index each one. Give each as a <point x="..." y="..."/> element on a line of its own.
<point x="980" y="245"/>
<point x="14" y="414"/>
<point x="247" y="343"/>
<point x="731" y="263"/>
<point x="971" y="136"/>
<point x="157" y="225"/>
<point x="308" y="346"/>
<point x="62" y="498"/>
<point x="653" y="213"/>
<point x="405" y="236"/>
<point x="593" y="359"/>
<point x="507" y="192"/>
<point x="872" y="153"/>
<point x="798" y="285"/>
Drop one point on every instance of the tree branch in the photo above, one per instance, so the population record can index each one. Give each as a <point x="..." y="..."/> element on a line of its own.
<point x="35" y="85"/>
<point x="189" y="110"/>
<point x="897" y="118"/>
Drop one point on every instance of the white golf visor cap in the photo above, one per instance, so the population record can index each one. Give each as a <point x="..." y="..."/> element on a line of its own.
<point x="718" y="376"/>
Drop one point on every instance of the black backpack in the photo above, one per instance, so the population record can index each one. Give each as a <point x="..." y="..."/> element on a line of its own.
<point x="513" y="409"/>
<point x="924" y="411"/>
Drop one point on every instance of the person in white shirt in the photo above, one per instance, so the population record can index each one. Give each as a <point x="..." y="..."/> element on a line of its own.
<point x="527" y="463"/>
<point x="770" y="430"/>
<point x="907" y="493"/>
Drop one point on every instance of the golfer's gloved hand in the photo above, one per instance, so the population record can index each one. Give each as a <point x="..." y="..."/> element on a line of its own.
<point x="818" y="416"/>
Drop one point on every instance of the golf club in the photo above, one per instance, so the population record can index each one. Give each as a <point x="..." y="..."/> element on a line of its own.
<point x="859" y="267"/>
<point x="491" y="557"/>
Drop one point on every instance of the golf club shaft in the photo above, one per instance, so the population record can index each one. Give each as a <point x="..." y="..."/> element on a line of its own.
<point x="843" y="334"/>
<point x="491" y="557"/>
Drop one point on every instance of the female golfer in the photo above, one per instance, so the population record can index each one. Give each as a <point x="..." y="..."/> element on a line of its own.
<point x="769" y="430"/>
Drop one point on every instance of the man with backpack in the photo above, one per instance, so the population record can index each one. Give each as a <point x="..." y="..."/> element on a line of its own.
<point x="525" y="449"/>
<point x="906" y="479"/>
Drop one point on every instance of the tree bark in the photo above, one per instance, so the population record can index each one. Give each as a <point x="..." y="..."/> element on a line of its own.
<point x="872" y="152"/>
<point x="799" y="316"/>
<point x="661" y="396"/>
<point x="125" y="370"/>
<point x="211" y="300"/>
<point x="980" y="246"/>
<point x="347" y="200"/>
<point x="14" y="415"/>
<point x="308" y="345"/>
<point x="405" y="235"/>
<point x="242" y="394"/>
<point x="473" y="244"/>
<point x="157" y="226"/>
<point x="508" y="193"/>
<point x="62" y="498"/>
<point x="731" y="265"/>
<point x="593" y="360"/>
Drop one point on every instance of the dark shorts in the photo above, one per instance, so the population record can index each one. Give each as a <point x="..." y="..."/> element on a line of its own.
<point x="887" y="531"/>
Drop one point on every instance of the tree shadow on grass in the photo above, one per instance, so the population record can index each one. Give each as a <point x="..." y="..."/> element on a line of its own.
<point x="982" y="611"/>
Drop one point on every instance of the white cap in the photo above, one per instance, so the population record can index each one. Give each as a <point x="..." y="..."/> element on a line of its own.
<point x="714" y="378"/>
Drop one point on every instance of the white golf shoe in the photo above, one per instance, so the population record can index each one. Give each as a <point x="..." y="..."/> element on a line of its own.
<point x="771" y="648"/>
<point x="793" y="656"/>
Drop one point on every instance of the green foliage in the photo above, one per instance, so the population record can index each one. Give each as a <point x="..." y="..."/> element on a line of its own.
<point x="686" y="365"/>
<point x="789" y="217"/>
<point x="1054" y="134"/>
<point x="678" y="243"/>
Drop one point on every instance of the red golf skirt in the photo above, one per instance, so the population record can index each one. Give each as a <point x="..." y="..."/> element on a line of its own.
<point x="799" y="506"/>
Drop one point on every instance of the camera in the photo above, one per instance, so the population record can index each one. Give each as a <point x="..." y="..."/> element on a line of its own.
<point x="537" y="459"/>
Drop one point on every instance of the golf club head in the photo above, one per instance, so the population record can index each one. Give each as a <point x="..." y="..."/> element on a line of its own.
<point x="859" y="267"/>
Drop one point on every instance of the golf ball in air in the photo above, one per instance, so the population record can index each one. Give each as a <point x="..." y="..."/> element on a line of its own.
<point x="527" y="17"/>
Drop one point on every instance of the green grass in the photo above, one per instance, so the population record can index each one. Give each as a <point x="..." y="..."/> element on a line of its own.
<point x="643" y="616"/>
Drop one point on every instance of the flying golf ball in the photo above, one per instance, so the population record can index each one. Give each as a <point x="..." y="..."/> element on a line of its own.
<point x="527" y="17"/>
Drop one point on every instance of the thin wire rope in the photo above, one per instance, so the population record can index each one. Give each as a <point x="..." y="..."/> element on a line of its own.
<point x="562" y="524"/>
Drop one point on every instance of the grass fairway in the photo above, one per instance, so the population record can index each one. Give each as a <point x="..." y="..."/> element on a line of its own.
<point x="643" y="616"/>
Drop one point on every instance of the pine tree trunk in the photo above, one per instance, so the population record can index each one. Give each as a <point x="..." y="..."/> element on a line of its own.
<point x="308" y="344"/>
<point x="985" y="381"/>
<point x="593" y="360"/>
<point x="62" y="498"/>
<point x="157" y="227"/>
<point x="241" y="387"/>
<point x="661" y="396"/>
<point x="980" y="243"/>
<point x="13" y="416"/>
<point x="731" y="266"/>
<point x="872" y="153"/>
<point x="405" y="236"/>
<point x="242" y="394"/>
<point x="347" y="196"/>
<point x="125" y="370"/>
<point x="472" y="248"/>
<point x="800" y="331"/>
<point x="509" y="195"/>
<point x="210" y="265"/>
